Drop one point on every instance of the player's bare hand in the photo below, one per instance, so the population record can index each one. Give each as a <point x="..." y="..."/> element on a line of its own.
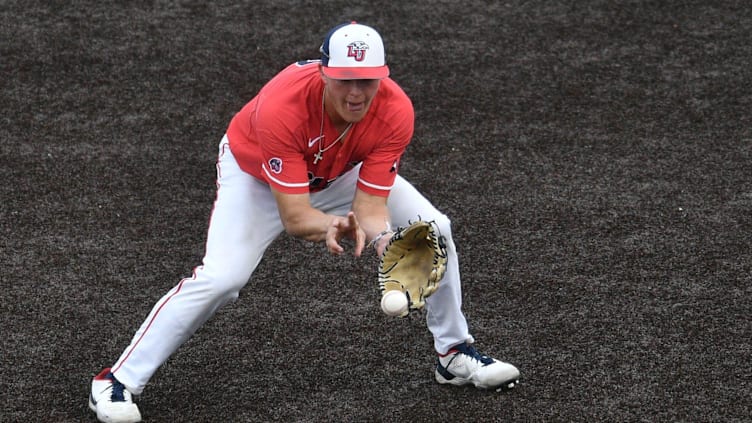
<point x="345" y="228"/>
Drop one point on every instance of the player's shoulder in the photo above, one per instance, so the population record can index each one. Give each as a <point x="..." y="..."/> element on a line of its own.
<point x="394" y="97"/>
<point x="302" y="71"/>
<point x="393" y="88"/>
<point x="293" y="84"/>
<point x="392" y="111"/>
<point x="285" y="101"/>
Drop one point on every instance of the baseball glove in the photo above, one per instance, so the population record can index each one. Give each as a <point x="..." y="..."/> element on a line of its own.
<point x="414" y="261"/>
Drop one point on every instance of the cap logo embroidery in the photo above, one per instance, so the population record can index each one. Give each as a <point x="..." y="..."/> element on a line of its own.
<point x="357" y="50"/>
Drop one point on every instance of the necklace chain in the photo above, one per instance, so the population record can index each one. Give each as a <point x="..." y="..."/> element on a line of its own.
<point x="318" y="156"/>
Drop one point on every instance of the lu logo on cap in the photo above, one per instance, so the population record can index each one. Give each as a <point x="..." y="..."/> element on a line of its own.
<point x="357" y="50"/>
<point x="354" y="51"/>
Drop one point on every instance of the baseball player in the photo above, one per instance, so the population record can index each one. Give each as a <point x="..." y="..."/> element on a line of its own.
<point x="316" y="155"/>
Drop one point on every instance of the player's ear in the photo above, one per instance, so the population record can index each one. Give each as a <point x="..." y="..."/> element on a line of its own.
<point x="321" y="72"/>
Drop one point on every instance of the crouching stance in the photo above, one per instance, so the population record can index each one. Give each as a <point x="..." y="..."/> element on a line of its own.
<point x="315" y="154"/>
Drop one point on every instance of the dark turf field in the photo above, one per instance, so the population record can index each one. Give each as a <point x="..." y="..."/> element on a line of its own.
<point x="595" y="157"/>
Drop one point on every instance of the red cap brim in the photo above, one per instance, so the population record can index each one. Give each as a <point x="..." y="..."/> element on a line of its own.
<point x="379" y="72"/>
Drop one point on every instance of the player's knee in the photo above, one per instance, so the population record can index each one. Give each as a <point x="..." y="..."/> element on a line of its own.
<point x="231" y="287"/>
<point x="225" y="291"/>
<point x="444" y="224"/>
<point x="226" y="284"/>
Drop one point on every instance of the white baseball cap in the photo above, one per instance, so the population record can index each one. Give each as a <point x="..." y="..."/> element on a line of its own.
<point x="353" y="51"/>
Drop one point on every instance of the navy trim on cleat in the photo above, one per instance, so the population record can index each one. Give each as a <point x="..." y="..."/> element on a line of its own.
<point x="110" y="399"/>
<point x="464" y="365"/>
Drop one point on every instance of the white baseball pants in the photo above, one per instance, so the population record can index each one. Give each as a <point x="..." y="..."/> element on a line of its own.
<point x="243" y="224"/>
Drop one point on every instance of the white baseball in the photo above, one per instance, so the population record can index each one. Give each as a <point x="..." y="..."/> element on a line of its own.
<point x="394" y="303"/>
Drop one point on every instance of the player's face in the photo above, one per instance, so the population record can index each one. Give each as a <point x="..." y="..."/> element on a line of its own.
<point x="350" y="98"/>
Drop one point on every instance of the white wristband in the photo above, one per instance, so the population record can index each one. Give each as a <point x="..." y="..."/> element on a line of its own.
<point x="378" y="237"/>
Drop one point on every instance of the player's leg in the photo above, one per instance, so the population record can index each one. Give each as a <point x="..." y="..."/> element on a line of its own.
<point x="458" y="363"/>
<point x="444" y="308"/>
<point x="445" y="318"/>
<point x="243" y="223"/>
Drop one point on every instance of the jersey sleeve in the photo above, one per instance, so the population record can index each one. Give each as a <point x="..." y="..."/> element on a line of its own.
<point x="283" y="165"/>
<point x="380" y="167"/>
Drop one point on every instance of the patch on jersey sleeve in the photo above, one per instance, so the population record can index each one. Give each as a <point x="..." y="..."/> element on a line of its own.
<point x="275" y="165"/>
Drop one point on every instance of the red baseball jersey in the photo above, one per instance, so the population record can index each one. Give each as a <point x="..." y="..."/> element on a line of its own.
<point x="276" y="136"/>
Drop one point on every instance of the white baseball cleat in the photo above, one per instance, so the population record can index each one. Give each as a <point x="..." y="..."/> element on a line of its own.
<point x="463" y="365"/>
<point x="112" y="402"/>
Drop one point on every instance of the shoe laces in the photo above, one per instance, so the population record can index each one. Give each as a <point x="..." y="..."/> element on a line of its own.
<point x="471" y="352"/>
<point x="118" y="389"/>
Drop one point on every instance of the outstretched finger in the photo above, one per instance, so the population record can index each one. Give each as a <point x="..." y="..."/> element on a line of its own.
<point x="356" y="233"/>
<point x="333" y="235"/>
<point x="352" y="221"/>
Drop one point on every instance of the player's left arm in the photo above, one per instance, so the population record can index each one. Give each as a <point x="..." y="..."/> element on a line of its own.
<point x="380" y="168"/>
<point x="373" y="217"/>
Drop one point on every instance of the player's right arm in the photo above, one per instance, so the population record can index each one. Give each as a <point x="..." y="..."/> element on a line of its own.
<point x="302" y="220"/>
<point x="299" y="218"/>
